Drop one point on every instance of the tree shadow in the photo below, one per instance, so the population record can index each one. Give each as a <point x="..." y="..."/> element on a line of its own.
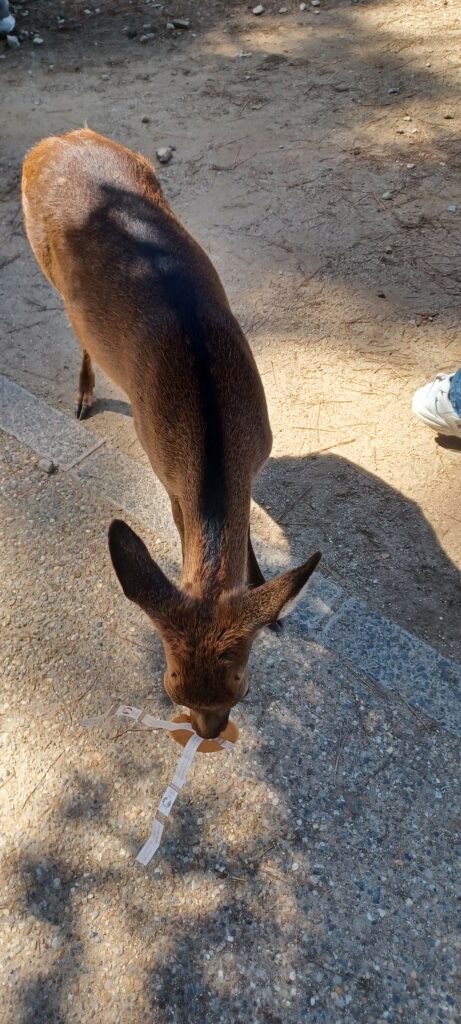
<point x="48" y="884"/>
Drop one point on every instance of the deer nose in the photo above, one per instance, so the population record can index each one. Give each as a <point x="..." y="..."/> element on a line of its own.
<point x="209" y="724"/>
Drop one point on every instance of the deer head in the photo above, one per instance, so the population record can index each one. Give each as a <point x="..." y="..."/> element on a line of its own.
<point x="207" y="641"/>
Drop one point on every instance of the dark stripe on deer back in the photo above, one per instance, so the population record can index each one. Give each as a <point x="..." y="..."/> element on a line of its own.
<point x="147" y="243"/>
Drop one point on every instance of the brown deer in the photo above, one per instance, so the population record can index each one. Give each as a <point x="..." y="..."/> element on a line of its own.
<point x="147" y="305"/>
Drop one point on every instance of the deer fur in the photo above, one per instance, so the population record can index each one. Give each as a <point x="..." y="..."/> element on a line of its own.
<point x="148" y="307"/>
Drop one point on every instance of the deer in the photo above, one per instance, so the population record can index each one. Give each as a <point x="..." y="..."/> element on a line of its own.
<point x="148" y="307"/>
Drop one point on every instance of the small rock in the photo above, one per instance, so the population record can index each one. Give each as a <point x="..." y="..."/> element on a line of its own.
<point x="147" y="37"/>
<point x="410" y="167"/>
<point x="386" y="195"/>
<point x="303" y="7"/>
<point x="37" y="41"/>
<point x="56" y="943"/>
<point x="13" y="41"/>
<point x="452" y="208"/>
<point x="164" y="154"/>
<point x="181" y="23"/>
<point x="169" y="25"/>
<point x="259" y="9"/>
<point x="283" y="10"/>
<point x="145" y="119"/>
<point x="394" y="90"/>
<point x="47" y="466"/>
<point x="315" y="3"/>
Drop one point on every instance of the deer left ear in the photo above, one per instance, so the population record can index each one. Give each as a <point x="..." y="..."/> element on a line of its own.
<point x="276" y="598"/>
<point x="141" y="578"/>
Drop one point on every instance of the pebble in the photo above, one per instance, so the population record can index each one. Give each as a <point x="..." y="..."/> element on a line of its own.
<point x="37" y="41"/>
<point x="164" y="154"/>
<point x="259" y="9"/>
<point x="452" y="208"/>
<point x="181" y="23"/>
<point x="315" y="3"/>
<point x="145" y="119"/>
<point x="147" y="37"/>
<point x="410" y="167"/>
<point x="303" y="7"/>
<point x="283" y="10"/>
<point x="13" y="41"/>
<point x="386" y="195"/>
<point x="393" y="90"/>
<point x="46" y="466"/>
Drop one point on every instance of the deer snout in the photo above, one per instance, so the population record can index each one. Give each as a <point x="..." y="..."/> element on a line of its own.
<point x="209" y="724"/>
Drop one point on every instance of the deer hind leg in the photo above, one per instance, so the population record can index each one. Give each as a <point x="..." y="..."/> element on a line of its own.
<point x="255" y="578"/>
<point x="85" y="388"/>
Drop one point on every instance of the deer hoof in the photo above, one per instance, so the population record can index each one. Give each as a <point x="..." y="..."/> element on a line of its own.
<point x="82" y="410"/>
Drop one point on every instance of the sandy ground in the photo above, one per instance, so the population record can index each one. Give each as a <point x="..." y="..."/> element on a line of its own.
<point x="287" y="137"/>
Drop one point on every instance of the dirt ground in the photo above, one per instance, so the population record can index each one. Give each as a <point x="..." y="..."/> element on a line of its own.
<point x="290" y="130"/>
<point x="312" y="878"/>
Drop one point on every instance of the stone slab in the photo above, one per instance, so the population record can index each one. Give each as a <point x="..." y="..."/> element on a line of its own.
<point x="130" y="487"/>
<point x="43" y="429"/>
<point x="318" y="605"/>
<point x="398" y="661"/>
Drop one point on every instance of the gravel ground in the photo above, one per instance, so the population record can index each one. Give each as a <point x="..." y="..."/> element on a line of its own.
<point x="309" y="877"/>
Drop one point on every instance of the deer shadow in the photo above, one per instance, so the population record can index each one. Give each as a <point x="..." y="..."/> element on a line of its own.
<point x="375" y="541"/>
<point x="103" y="404"/>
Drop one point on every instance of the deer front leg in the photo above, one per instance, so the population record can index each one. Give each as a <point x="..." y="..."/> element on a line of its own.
<point x="85" y="388"/>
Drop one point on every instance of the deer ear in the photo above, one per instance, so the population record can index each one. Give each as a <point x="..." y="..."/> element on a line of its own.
<point x="276" y="598"/>
<point x="141" y="578"/>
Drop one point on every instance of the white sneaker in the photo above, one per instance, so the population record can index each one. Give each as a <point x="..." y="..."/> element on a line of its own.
<point x="6" y="25"/>
<point x="432" y="405"/>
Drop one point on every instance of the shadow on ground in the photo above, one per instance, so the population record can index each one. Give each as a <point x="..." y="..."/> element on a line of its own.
<point x="375" y="541"/>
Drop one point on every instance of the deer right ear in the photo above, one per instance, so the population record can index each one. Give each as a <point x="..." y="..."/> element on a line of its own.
<point x="141" y="578"/>
<point x="275" y="598"/>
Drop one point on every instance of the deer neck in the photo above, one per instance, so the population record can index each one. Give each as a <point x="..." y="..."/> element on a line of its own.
<point x="216" y="555"/>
